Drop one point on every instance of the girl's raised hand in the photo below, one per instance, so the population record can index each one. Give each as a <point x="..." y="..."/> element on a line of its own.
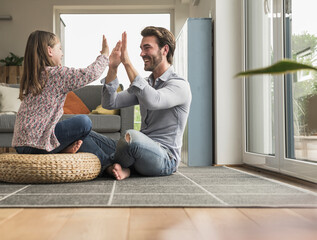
<point x="105" y="47"/>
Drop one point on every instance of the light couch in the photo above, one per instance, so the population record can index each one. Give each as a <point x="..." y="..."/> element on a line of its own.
<point x="110" y="125"/>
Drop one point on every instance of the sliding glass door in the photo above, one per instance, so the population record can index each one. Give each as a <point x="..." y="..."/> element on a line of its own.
<point x="260" y="91"/>
<point x="260" y="100"/>
<point x="280" y="120"/>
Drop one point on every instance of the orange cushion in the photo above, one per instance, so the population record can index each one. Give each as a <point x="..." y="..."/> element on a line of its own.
<point x="74" y="105"/>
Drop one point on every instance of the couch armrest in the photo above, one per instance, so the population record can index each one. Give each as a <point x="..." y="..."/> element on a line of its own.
<point x="127" y="119"/>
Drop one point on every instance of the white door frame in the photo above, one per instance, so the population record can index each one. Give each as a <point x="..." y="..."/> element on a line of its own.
<point x="278" y="163"/>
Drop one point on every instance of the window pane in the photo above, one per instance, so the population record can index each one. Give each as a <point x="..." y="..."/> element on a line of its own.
<point x="301" y="38"/>
<point x="83" y="45"/>
<point x="259" y="89"/>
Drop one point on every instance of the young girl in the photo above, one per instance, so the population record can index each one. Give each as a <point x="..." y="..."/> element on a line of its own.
<point x="44" y="86"/>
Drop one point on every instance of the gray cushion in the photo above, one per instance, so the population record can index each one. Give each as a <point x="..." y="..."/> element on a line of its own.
<point x="90" y="95"/>
<point x="7" y="122"/>
<point x="102" y="123"/>
<point x="6" y="139"/>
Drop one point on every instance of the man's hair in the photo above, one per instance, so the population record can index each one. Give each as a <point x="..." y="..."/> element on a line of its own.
<point x="36" y="58"/>
<point x="163" y="37"/>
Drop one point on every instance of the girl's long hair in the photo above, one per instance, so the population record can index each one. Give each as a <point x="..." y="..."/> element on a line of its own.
<point x="36" y="58"/>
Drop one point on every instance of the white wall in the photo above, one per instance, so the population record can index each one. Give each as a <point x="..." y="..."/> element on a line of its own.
<point x="203" y="9"/>
<point x="228" y="90"/>
<point x="228" y="60"/>
<point x="29" y="15"/>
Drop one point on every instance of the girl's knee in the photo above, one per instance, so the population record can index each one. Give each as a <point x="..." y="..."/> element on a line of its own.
<point x="86" y="120"/>
<point x="85" y="123"/>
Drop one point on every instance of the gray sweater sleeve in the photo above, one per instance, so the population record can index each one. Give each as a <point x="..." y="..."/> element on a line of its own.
<point x="111" y="99"/>
<point x="175" y="92"/>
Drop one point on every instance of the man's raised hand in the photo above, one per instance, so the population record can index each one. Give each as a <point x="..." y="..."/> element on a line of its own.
<point x="124" y="50"/>
<point x="115" y="57"/>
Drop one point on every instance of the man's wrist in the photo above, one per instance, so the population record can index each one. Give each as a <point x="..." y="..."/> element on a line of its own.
<point x="127" y="63"/>
<point x="112" y="74"/>
<point x="113" y="69"/>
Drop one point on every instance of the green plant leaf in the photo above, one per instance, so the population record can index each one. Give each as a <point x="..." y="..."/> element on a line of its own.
<point x="281" y="67"/>
<point x="12" y="60"/>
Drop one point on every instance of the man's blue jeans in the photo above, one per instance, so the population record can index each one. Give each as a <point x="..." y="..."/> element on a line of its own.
<point x="148" y="157"/>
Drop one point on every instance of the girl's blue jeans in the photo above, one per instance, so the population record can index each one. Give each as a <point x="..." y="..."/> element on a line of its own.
<point x="67" y="132"/>
<point x="146" y="156"/>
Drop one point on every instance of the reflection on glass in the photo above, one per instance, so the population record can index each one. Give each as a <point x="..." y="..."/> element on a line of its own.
<point x="259" y="89"/>
<point x="301" y="33"/>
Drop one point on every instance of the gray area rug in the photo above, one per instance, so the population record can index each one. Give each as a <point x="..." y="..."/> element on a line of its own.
<point x="189" y="187"/>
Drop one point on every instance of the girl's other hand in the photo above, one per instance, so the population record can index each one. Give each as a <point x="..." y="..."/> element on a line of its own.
<point x="105" y="47"/>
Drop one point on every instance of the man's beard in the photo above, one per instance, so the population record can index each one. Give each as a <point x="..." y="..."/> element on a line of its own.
<point x="154" y="60"/>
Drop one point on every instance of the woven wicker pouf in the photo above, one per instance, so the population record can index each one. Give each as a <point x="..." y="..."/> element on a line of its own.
<point x="48" y="168"/>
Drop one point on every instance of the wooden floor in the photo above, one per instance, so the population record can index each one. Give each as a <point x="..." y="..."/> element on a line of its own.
<point x="162" y="223"/>
<point x="158" y="223"/>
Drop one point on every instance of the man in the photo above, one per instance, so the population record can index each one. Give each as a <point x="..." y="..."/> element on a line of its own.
<point x="164" y="100"/>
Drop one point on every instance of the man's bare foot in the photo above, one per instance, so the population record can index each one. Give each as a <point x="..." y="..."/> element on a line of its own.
<point x="118" y="172"/>
<point x="73" y="148"/>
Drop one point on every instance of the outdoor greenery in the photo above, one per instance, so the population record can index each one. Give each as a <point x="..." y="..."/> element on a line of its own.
<point x="303" y="41"/>
<point x="137" y="118"/>
<point x="303" y="91"/>
<point x="303" y="94"/>
<point x="12" y="60"/>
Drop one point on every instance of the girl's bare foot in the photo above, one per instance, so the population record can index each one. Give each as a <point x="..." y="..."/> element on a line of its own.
<point x="73" y="148"/>
<point x="118" y="172"/>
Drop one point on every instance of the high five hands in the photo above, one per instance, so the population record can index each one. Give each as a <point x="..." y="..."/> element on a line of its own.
<point x="119" y="53"/>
